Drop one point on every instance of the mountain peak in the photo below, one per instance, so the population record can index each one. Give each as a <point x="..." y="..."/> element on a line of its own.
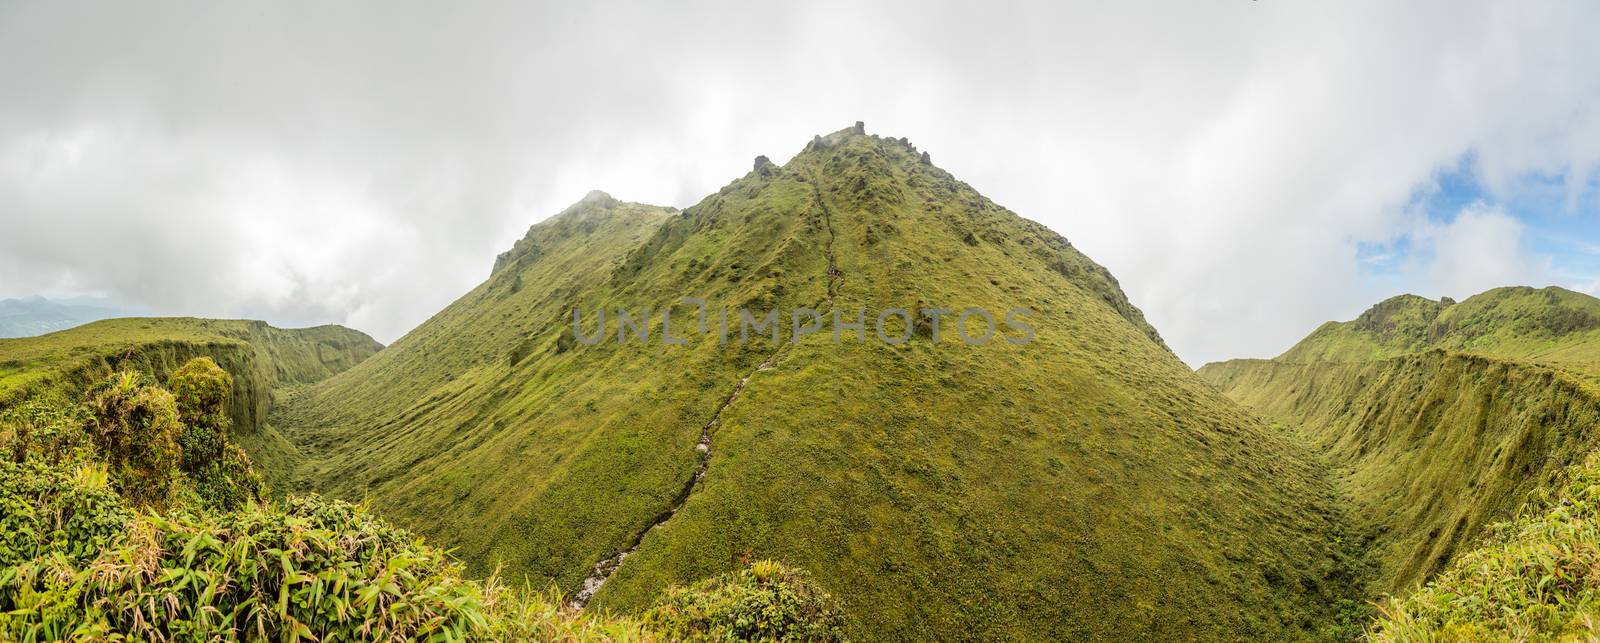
<point x="595" y="210"/>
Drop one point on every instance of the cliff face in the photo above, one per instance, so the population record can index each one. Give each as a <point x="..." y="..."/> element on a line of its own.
<point x="259" y="356"/>
<point x="1433" y="447"/>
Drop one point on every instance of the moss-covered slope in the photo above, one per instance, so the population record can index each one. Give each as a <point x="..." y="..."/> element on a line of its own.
<point x="1435" y="445"/>
<point x="1084" y="485"/>
<point x="261" y="356"/>
<point x="1444" y="417"/>
<point x="1551" y="326"/>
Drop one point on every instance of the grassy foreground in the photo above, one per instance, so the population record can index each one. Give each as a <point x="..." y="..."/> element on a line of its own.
<point x="120" y="523"/>
<point x="1536" y="578"/>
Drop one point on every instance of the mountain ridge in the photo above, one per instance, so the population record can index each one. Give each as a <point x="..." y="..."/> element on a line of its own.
<point x="1552" y="326"/>
<point x="1443" y="417"/>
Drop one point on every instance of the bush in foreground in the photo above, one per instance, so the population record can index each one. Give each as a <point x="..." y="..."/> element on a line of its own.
<point x="1536" y="578"/>
<point x="106" y="537"/>
<point x="135" y="427"/>
<point x="765" y="601"/>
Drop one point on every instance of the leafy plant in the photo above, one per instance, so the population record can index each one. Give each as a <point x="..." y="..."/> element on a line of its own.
<point x="764" y="601"/>
<point x="135" y="426"/>
<point x="1536" y="578"/>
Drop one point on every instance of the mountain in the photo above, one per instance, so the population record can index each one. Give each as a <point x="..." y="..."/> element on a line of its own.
<point x="1550" y="326"/>
<point x="1069" y="478"/>
<point x="36" y="315"/>
<point x="263" y="359"/>
<point x="1443" y="418"/>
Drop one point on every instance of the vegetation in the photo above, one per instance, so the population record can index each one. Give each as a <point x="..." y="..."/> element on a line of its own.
<point x="263" y="361"/>
<point x="1432" y="447"/>
<point x="1086" y="485"/>
<point x="1550" y="326"/>
<point x="89" y="552"/>
<point x="261" y="357"/>
<point x="134" y="427"/>
<point x="765" y="601"/>
<point x="1536" y="578"/>
<point x="1443" y="419"/>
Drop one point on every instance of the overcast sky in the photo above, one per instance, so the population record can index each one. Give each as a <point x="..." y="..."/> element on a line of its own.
<point x="1246" y="169"/>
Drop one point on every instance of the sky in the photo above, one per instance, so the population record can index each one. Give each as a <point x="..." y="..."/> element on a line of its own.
<point x="1247" y="170"/>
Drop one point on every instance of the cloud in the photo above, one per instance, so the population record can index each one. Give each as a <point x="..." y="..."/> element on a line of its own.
<point x="362" y="163"/>
<point x="1481" y="248"/>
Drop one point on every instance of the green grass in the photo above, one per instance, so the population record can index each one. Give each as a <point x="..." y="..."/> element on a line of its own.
<point x="1443" y="419"/>
<point x="1432" y="447"/>
<point x="93" y="549"/>
<point x="1083" y="486"/>
<point x="1550" y="326"/>
<point x="1537" y="578"/>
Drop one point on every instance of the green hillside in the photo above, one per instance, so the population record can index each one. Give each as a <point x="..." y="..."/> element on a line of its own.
<point x="1551" y="326"/>
<point x="1534" y="579"/>
<point x="1444" y="420"/>
<point x="264" y="356"/>
<point x="1083" y="485"/>
<point x="266" y="362"/>
<point x="1435" y="446"/>
<point x="129" y="514"/>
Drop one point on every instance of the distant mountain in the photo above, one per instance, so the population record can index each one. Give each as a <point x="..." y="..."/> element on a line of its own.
<point x="1081" y="485"/>
<point x="37" y="315"/>
<point x="1552" y="326"/>
<point x="260" y="357"/>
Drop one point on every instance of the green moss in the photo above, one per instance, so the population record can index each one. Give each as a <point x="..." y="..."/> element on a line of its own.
<point x="1536" y="578"/>
<point x="1550" y="326"/>
<point x="1433" y="447"/>
<point x="135" y="428"/>
<point x="263" y="362"/>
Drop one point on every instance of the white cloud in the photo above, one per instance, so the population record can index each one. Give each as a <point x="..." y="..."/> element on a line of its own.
<point x="1481" y="248"/>
<point x="364" y="163"/>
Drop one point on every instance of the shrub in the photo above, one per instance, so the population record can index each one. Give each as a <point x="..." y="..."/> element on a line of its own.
<point x="135" y="427"/>
<point x="765" y="601"/>
<point x="222" y="474"/>
<point x="200" y="388"/>
<point x="44" y="426"/>
<point x="314" y="569"/>
<point x="68" y="509"/>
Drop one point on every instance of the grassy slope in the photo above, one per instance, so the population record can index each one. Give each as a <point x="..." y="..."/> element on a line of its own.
<point x="1085" y="485"/>
<point x="1445" y="417"/>
<point x="1436" y="445"/>
<point x="1550" y="326"/>
<point x="1537" y="578"/>
<point x="261" y="357"/>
